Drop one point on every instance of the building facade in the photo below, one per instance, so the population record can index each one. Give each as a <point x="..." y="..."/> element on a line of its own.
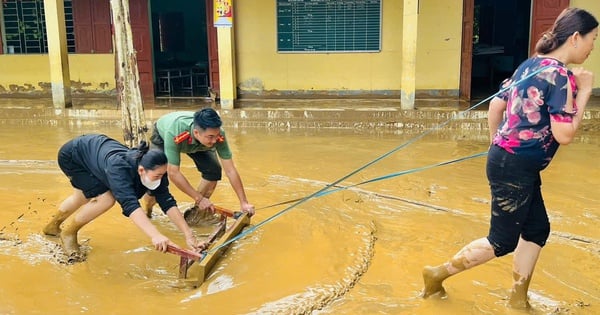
<point x="282" y="48"/>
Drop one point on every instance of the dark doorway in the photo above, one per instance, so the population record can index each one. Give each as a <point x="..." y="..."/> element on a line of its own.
<point x="180" y="48"/>
<point x="501" y="30"/>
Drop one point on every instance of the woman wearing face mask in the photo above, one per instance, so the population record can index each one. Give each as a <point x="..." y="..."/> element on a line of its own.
<point x="102" y="170"/>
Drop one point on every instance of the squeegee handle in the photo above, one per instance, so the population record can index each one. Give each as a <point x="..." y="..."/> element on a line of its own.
<point x="183" y="252"/>
<point x="227" y="212"/>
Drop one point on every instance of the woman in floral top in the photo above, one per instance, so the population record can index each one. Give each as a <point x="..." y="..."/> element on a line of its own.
<point x="541" y="109"/>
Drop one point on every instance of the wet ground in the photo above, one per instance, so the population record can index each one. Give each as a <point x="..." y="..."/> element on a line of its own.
<point x="358" y="250"/>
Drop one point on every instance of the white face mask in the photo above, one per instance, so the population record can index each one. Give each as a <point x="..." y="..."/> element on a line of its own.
<point x="150" y="184"/>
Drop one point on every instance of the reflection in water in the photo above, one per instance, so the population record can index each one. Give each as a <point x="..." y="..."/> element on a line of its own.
<point x="355" y="251"/>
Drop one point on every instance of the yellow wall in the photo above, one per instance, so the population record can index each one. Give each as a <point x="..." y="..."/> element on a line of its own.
<point x="91" y="73"/>
<point x="260" y="69"/>
<point x="439" y="45"/>
<point x="260" y="66"/>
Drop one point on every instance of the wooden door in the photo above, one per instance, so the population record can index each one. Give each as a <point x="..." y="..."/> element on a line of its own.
<point x="140" y="28"/>
<point x="92" y="27"/>
<point x="213" y="48"/>
<point x="466" y="57"/>
<point x="543" y="15"/>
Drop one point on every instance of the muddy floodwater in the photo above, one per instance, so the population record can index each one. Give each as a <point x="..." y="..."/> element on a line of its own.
<point x="358" y="250"/>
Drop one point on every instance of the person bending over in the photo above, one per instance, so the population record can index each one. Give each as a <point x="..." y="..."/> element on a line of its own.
<point x="200" y="136"/>
<point x="102" y="170"/>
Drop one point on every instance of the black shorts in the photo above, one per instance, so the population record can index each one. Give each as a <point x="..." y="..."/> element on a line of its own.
<point x="208" y="164"/>
<point x="517" y="205"/>
<point x="156" y="141"/>
<point x="80" y="177"/>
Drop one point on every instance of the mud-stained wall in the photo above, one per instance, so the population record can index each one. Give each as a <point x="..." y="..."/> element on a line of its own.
<point x="30" y="74"/>
<point x="261" y="70"/>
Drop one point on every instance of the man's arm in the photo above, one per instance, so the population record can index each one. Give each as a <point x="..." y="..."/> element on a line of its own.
<point x="177" y="178"/>
<point x="236" y="183"/>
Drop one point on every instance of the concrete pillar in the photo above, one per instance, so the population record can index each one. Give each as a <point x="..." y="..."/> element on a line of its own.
<point x="409" y="53"/>
<point x="58" y="54"/>
<point x="228" y="89"/>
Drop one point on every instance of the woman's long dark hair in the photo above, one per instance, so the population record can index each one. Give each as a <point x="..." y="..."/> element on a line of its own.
<point x="571" y="20"/>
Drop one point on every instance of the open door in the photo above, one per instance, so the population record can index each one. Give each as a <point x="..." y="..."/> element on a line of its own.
<point x="213" y="49"/>
<point x="140" y="29"/>
<point x="543" y="16"/>
<point x="493" y="45"/>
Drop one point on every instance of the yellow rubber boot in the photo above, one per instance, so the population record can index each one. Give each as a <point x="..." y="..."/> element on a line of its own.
<point x="433" y="278"/>
<point x="147" y="202"/>
<point x="53" y="227"/>
<point x="68" y="237"/>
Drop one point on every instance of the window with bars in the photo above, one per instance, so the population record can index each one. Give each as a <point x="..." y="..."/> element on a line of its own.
<point x="25" y="26"/>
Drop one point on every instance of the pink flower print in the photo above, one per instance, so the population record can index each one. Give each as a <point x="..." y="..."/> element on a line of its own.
<point x="533" y="93"/>
<point x="548" y="62"/>
<point x="573" y="83"/>
<point x="526" y="134"/>
<point x="529" y="106"/>
<point x="506" y="83"/>
<point x="514" y="105"/>
<point x="563" y="71"/>
<point x="534" y="118"/>
<point x="513" y="121"/>
<point x="511" y="143"/>
<point x="561" y="118"/>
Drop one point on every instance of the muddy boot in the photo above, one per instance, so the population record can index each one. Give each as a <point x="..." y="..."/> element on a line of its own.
<point x="53" y="227"/>
<point x="147" y="209"/>
<point x="433" y="278"/>
<point x="68" y="238"/>
<point x="518" y="293"/>
<point x="196" y="217"/>
<point x="147" y="202"/>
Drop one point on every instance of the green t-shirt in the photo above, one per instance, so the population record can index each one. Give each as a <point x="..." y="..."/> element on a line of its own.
<point x="175" y="124"/>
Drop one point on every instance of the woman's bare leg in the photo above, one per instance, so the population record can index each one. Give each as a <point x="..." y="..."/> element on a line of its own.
<point x="66" y="208"/>
<point x="91" y="210"/>
<point x="525" y="258"/>
<point x="475" y="253"/>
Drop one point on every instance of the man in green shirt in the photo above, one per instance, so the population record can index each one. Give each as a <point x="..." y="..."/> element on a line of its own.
<point x="200" y="136"/>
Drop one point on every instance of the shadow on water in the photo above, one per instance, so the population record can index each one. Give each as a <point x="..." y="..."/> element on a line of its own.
<point x="355" y="251"/>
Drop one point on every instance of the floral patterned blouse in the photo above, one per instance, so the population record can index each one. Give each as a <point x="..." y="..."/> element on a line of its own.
<point x="532" y="105"/>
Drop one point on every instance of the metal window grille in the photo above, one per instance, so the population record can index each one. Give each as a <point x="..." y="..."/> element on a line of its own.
<point x="25" y="26"/>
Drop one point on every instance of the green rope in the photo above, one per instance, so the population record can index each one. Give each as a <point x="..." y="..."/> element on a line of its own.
<point x="324" y="190"/>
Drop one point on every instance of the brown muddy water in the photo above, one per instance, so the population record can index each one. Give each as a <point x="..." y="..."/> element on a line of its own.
<point x="354" y="251"/>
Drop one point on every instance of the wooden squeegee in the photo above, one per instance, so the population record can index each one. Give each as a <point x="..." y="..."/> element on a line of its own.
<point x="206" y="258"/>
